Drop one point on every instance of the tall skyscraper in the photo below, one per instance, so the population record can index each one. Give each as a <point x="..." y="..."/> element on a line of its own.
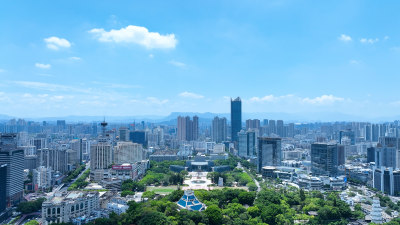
<point x="272" y="127"/>
<point x="375" y="132"/>
<point x="269" y="152"/>
<point x="236" y="118"/>
<point x="341" y="155"/>
<point x="61" y="125"/>
<point x="138" y="136"/>
<point x="195" y="128"/>
<point x="368" y="132"/>
<point x="324" y="159"/>
<point x="219" y="129"/>
<point x="3" y="187"/>
<point x="123" y="134"/>
<point x="187" y="129"/>
<point x="14" y="158"/>
<point x="280" y="128"/>
<point x="386" y="156"/>
<point x="247" y="144"/>
<point x="291" y="131"/>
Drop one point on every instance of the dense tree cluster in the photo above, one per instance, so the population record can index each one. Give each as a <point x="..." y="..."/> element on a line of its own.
<point x="32" y="222"/>
<point x="237" y="175"/>
<point x="395" y="221"/>
<point x="73" y="174"/>
<point x="30" y="207"/>
<point x="238" y="207"/>
<point x="80" y="182"/>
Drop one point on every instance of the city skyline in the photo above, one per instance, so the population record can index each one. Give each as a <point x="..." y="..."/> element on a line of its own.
<point x="153" y="59"/>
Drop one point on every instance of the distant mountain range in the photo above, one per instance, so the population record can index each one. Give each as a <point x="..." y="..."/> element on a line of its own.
<point x="208" y="116"/>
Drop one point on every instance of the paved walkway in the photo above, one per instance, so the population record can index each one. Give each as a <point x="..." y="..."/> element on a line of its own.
<point x="199" y="180"/>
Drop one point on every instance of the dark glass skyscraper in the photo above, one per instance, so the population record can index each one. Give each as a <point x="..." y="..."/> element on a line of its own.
<point x="324" y="159"/>
<point x="236" y="118"/>
<point x="13" y="156"/>
<point x="3" y="187"/>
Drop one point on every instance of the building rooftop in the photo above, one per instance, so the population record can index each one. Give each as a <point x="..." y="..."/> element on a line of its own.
<point x="190" y="202"/>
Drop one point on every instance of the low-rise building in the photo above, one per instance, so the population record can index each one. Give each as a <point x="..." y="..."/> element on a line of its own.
<point x="310" y="183"/>
<point x="117" y="208"/>
<point x="69" y="206"/>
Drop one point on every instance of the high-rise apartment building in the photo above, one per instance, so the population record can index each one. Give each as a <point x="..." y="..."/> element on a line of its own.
<point x="368" y="132"/>
<point x="247" y="144"/>
<point x="236" y="118"/>
<point x="269" y="152"/>
<point x="188" y="130"/>
<point x="100" y="156"/>
<point x="375" y="132"/>
<point x="272" y="127"/>
<point x="128" y="152"/>
<point x="219" y="129"/>
<point x="324" y="159"/>
<point x="280" y="130"/>
<point x="252" y="124"/>
<point x="14" y="158"/>
<point x="290" y="131"/>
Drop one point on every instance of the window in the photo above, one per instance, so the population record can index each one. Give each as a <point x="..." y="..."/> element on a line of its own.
<point x="58" y="210"/>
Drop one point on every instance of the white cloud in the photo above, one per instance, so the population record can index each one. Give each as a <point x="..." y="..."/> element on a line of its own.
<point x="270" y="98"/>
<point x="2" y="70"/>
<point x="49" y="86"/>
<point x="345" y="38"/>
<point x="324" y="99"/>
<point x="177" y="63"/>
<point x="151" y="56"/>
<point x="74" y="58"/>
<point x="43" y="66"/>
<point x="369" y="40"/>
<point x="386" y="38"/>
<point x="267" y="98"/>
<point x="191" y="95"/>
<point x="136" y="35"/>
<point x="157" y="101"/>
<point x="55" y="43"/>
<point x="355" y="62"/>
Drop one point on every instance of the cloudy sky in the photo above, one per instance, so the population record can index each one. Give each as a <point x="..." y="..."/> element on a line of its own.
<point x="156" y="57"/>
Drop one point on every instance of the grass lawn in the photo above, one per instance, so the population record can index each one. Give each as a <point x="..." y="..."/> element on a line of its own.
<point x="162" y="190"/>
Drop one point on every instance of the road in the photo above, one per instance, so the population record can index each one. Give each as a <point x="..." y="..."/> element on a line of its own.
<point x="239" y="166"/>
<point x="23" y="217"/>
<point x="65" y="188"/>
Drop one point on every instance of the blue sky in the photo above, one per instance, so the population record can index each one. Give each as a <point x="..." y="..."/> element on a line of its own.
<point x="156" y="57"/>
